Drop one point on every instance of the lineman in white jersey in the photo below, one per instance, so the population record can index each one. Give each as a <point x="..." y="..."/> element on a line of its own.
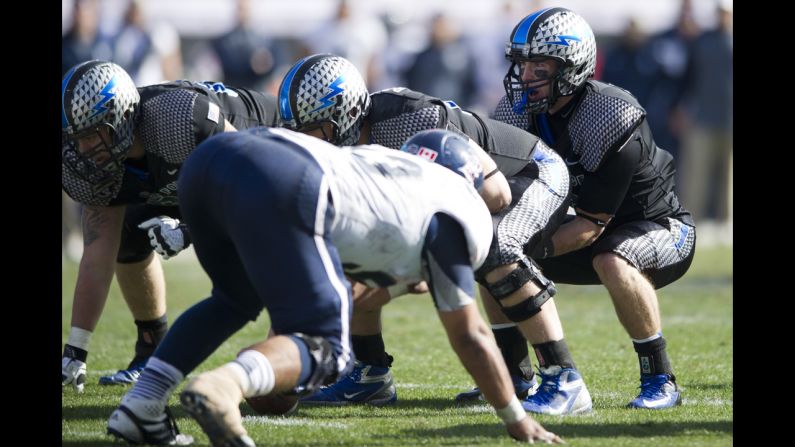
<point x="277" y="220"/>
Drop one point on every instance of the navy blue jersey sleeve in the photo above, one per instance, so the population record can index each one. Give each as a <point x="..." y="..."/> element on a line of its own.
<point x="446" y="257"/>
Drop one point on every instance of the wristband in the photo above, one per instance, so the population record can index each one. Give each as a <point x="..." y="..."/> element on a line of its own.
<point x="513" y="412"/>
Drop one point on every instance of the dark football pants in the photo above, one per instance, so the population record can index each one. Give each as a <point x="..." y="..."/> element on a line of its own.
<point x="259" y="215"/>
<point x="663" y="251"/>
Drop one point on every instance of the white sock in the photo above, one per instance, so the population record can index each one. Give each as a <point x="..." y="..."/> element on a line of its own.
<point x="149" y="396"/>
<point x="646" y="340"/>
<point x="254" y="373"/>
<point x="502" y="326"/>
<point x="79" y="338"/>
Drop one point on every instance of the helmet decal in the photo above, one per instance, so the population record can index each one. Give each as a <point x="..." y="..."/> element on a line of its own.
<point x="449" y="149"/>
<point x="106" y="95"/>
<point x="335" y="90"/>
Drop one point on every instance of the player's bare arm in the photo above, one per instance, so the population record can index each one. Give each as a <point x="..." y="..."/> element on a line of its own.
<point x="475" y="345"/>
<point x="102" y="235"/>
<point x="496" y="192"/>
<point x="582" y="231"/>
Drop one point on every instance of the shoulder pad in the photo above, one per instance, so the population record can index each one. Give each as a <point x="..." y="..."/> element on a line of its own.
<point x="603" y="122"/>
<point x="505" y="113"/>
<point x="397" y="114"/>
<point x="166" y="125"/>
<point x="398" y="91"/>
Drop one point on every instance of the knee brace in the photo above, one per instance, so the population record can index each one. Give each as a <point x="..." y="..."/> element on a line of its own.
<point x="527" y="270"/>
<point x="324" y="369"/>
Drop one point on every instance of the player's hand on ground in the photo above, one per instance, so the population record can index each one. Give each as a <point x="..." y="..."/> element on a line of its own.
<point x="73" y="369"/>
<point x="528" y="430"/>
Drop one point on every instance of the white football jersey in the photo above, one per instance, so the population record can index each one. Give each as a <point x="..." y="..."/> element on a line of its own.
<point x="384" y="200"/>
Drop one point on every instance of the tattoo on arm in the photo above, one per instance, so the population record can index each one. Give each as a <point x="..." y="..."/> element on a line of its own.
<point x="93" y="219"/>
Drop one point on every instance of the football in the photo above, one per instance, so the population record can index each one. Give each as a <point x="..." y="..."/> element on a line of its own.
<point x="273" y="404"/>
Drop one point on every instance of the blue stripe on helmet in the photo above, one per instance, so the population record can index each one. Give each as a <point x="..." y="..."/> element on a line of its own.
<point x="64" y="83"/>
<point x="520" y="36"/>
<point x="284" y="91"/>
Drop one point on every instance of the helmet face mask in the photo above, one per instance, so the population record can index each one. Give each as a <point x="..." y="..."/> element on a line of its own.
<point x="324" y="88"/>
<point x="449" y="149"/>
<point x="99" y="104"/>
<point x="553" y="33"/>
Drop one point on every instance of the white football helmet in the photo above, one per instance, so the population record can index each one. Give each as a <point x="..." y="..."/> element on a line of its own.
<point x="556" y="33"/>
<point x="324" y="88"/>
<point x="97" y="95"/>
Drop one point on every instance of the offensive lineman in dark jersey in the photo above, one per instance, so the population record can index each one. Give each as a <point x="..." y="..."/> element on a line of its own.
<point x="630" y="232"/>
<point x="122" y="151"/>
<point x="324" y="95"/>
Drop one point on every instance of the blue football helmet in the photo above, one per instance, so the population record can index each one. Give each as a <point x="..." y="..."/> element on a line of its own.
<point x="97" y="98"/>
<point x="449" y="149"/>
<point x="555" y="33"/>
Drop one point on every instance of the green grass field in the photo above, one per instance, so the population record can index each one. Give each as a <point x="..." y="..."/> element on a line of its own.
<point x="697" y="317"/>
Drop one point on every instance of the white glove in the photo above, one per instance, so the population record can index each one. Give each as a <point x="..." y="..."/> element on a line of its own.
<point x="73" y="371"/>
<point x="166" y="235"/>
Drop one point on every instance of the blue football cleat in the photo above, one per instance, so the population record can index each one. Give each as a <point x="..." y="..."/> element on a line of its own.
<point x="521" y="386"/>
<point x="562" y="391"/>
<point x="366" y="384"/>
<point x="657" y="392"/>
<point x="125" y="376"/>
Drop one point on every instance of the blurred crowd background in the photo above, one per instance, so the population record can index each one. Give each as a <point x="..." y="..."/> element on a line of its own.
<point x="675" y="56"/>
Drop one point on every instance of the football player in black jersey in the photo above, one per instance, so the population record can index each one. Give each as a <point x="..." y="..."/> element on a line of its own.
<point x="324" y="95"/>
<point x="630" y="232"/>
<point x="122" y="149"/>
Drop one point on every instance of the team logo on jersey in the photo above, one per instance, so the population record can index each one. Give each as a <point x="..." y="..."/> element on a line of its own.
<point x="219" y="87"/>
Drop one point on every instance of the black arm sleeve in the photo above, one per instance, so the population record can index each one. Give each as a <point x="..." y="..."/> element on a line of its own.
<point x="603" y="191"/>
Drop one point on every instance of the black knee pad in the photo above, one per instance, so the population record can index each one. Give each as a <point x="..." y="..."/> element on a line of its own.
<point x="527" y="271"/>
<point x="324" y="370"/>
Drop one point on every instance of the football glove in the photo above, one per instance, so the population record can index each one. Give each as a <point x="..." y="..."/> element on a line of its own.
<point x="166" y="235"/>
<point x="73" y="368"/>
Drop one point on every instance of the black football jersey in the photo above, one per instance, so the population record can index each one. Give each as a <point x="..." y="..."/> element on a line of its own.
<point x="174" y="118"/>
<point x="615" y="166"/>
<point x="398" y="113"/>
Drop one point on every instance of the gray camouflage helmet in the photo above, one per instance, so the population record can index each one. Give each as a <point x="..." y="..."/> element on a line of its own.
<point x="324" y="88"/>
<point x="97" y="95"/>
<point x="556" y="33"/>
